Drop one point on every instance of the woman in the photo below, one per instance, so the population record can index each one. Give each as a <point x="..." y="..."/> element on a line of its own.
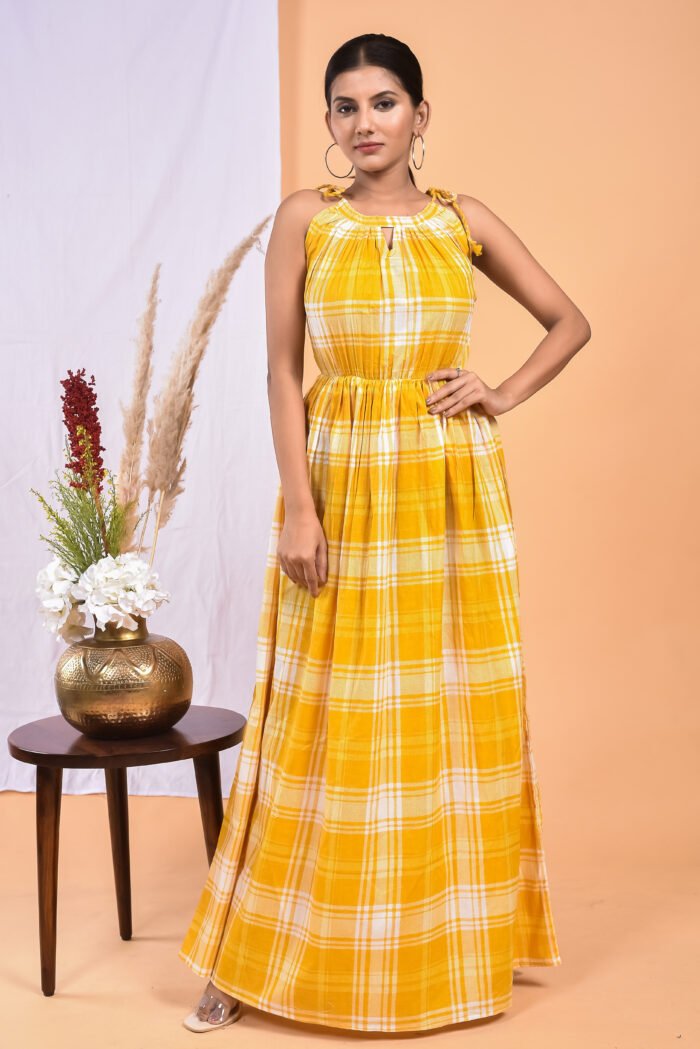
<point x="380" y="866"/>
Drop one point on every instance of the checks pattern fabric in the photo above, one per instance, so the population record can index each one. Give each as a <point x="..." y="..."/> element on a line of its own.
<point x="380" y="866"/>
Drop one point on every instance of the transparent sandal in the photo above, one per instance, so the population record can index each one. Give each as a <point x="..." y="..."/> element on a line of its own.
<point x="220" y="1016"/>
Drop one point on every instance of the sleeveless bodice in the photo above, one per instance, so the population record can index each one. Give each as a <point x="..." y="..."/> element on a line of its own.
<point x="389" y="313"/>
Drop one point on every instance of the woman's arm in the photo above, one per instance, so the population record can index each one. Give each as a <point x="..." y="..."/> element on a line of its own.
<point x="302" y="546"/>
<point x="507" y="262"/>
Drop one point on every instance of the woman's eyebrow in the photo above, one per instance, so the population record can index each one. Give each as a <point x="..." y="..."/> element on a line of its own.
<point x="347" y="98"/>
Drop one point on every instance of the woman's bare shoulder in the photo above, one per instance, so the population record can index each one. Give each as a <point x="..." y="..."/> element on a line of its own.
<point x="296" y="211"/>
<point x="475" y="209"/>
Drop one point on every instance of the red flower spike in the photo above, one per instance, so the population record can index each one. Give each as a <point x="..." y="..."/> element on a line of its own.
<point x="84" y="431"/>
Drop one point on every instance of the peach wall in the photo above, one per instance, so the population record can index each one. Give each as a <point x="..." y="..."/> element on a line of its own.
<point x="575" y="124"/>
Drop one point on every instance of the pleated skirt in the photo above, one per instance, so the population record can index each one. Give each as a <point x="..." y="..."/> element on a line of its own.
<point x="380" y="865"/>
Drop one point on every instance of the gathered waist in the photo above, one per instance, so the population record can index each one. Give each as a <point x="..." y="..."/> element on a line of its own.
<point x="355" y="377"/>
<point x="339" y="391"/>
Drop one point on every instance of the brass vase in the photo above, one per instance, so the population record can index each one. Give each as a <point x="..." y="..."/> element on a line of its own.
<point x="122" y="683"/>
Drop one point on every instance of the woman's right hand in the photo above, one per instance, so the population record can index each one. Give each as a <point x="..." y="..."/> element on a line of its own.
<point x="303" y="551"/>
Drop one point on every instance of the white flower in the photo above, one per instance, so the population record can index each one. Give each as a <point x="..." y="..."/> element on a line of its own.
<point x="117" y="589"/>
<point x="114" y="590"/>
<point x="54" y="585"/>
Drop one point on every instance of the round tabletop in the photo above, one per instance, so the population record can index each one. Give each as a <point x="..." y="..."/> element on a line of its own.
<point x="53" y="742"/>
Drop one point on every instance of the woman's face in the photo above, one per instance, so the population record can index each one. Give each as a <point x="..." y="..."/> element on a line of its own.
<point x="369" y="105"/>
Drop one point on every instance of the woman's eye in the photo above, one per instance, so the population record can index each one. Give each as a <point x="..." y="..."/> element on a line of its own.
<point x="383" y="101"/>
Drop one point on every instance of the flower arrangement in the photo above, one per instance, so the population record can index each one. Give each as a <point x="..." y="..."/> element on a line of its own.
<point x="89" y="573"/>
<point x="97" y="566"/>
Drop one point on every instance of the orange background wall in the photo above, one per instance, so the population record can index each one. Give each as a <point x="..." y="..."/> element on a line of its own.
<point x="577" y="126"/>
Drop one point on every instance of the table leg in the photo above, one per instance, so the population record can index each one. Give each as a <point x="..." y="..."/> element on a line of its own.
<point x="48" y="817"/>
<point x="208" y="774"/>
<point x="118" y="806"/>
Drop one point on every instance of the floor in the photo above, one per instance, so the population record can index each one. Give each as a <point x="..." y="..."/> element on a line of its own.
<point x="628" y="934"/>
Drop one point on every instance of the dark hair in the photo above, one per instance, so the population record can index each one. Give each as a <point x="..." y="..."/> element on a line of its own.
<point x="376" y="49"/>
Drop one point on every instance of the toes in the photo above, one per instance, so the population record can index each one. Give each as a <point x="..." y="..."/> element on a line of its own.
<point x="215" y="1005"/>
<point x="218" y="1013"/>
<point x="204" y="1007"/>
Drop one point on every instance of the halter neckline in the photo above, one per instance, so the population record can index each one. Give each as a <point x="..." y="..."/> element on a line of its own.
<point x="329" y="189"/>
<point x="394" y="218"/>
<point x="438" y="197"/>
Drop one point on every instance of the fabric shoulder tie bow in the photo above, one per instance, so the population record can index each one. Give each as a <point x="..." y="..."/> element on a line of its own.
<point x="329" y="189"/>
<point x="446" y="196"/>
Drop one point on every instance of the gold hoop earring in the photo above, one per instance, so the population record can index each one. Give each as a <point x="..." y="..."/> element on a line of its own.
<point x="352" y="168"/>
<point x="422" y="159"/>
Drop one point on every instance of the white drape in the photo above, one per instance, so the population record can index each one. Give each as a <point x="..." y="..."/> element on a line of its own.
<point x="133" y="134"/>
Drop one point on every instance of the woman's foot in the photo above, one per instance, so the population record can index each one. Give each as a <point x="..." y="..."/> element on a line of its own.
<point x="215" y="1006"/>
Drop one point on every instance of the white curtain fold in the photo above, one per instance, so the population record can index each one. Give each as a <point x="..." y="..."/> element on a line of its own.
<point x="133" y="134"/>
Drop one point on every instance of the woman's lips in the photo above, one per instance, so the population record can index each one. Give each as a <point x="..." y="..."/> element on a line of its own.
<point x="369" y="147"/>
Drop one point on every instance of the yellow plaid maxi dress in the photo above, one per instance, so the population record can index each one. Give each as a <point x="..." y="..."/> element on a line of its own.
<point x="380" y="865"/>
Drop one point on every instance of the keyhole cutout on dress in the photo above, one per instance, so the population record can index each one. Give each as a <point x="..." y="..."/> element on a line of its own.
<point x="390" y="238"/>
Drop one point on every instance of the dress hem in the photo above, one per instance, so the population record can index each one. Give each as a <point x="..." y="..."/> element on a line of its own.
<point x="496" y="1009"/>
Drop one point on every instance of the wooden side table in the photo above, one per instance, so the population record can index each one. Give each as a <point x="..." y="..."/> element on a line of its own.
<point x="53" y="745"/>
